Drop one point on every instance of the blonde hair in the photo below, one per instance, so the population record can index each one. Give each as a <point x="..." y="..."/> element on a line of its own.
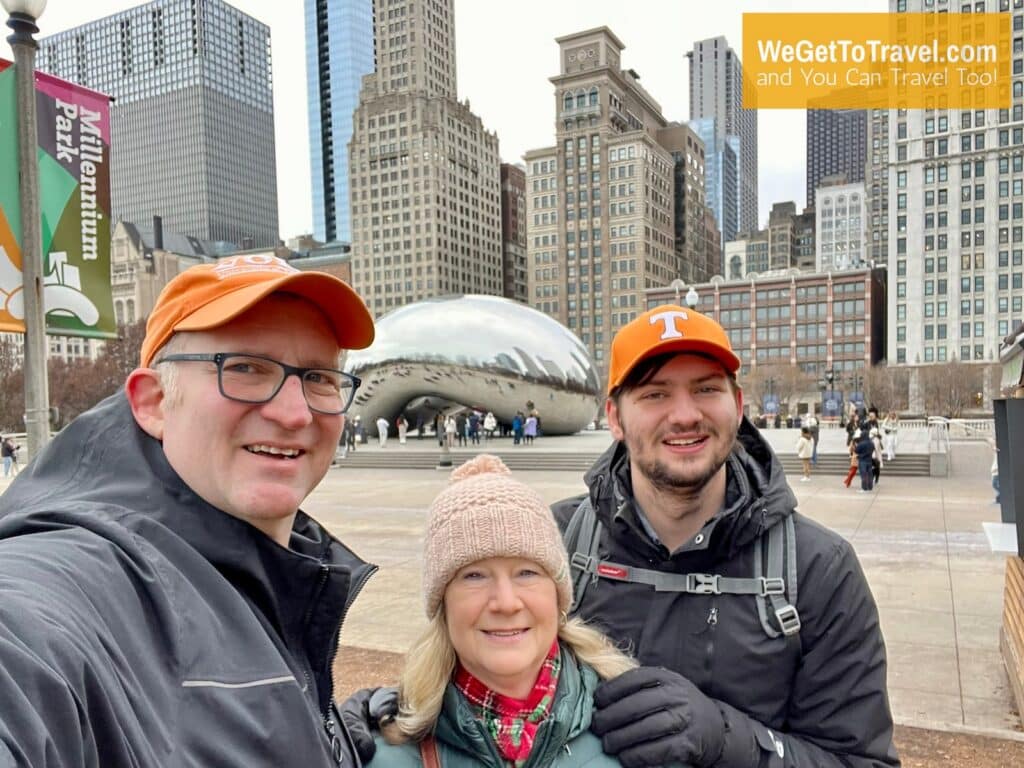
<point x="431" y="662"/>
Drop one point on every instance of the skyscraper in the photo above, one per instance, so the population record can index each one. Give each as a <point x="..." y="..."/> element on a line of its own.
<point x="836" y="143"/>
<point x="424" y="172"/>
<point x="339" y="51"/>
<point x="721" y="174"/>
<point x="716" y="90"/>
<point x="192" y="124"/>
<point x="956" y="220"/>
<point x="600" y="202"/>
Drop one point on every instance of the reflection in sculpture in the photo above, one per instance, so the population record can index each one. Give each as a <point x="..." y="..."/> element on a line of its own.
<point x="482" y="352"/>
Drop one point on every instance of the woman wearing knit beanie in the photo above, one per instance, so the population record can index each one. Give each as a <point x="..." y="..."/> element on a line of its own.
<point x="500" y="677"/>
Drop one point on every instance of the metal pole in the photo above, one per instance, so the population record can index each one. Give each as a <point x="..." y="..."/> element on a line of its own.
<point x="37" y="396"/>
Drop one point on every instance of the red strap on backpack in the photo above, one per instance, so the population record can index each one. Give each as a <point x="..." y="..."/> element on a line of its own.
<point x="428" y="753"/>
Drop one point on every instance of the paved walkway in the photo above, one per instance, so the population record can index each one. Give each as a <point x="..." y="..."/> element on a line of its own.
<point x="938" y="586"/>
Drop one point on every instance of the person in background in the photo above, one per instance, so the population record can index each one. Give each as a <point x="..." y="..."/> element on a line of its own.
<point x="854" y="461"/>
<point x="501" y="676"/>
<point x="7" y="451"/>
<point x="804" y="451"/>
<point x="403" y="428"/>
<point x="490" y="424"/>
<point x="890" y="426"/>
<point x="812" y="424"/>
<point x="864" y="448"/>
<point x="165" y="601"/>
<point x="876" y="457"/>
<point x="382" y="431"/>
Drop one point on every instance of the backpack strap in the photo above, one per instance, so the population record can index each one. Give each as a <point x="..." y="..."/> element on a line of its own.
<point x="774" y="584"/>
<point x="582" y="537"/>
<point x="428" y="752"/>
<point x="779" y="563"/>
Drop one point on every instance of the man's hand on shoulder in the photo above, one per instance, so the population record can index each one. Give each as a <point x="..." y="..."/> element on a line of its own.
<point x="364" y="712"/>
<point x="652" y="717"/>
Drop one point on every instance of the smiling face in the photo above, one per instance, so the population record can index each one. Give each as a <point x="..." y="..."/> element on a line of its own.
<point x="255" y="462"/>
<point x="680" y="424"/>
<point x="502" y="617"/>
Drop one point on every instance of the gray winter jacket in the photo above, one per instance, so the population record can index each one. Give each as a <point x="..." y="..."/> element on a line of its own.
<point x="820" y="701"/>
<point x="139" y="626"/>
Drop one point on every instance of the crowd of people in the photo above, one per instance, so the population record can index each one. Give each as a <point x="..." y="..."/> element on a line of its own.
<point x="167" y="601"/>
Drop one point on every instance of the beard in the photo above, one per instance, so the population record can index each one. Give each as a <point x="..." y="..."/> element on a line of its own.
<point x="687" y="476"/>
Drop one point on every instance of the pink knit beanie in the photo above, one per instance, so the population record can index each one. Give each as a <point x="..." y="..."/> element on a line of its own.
<point x="485" y="513"/>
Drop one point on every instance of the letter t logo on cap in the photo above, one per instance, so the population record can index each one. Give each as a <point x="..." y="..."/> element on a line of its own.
<point x="668" y="320"/>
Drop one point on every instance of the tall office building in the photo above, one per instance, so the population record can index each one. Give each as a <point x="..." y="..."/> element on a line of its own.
<point x="716" y="90"/>
<point x="513" y="231"/>
<point x="721" y="174"/>
<point x="876" y="186"/>
<point x="841" y="220"/>
<point x="956" y="220"/>
<point x="600" y="224"/>
<point x="837" y="142"/>
<point x="339" y="51"/>
<point x="424" y="172"/>
<point x="192" y="123"/>
<point x="696" y="255"/>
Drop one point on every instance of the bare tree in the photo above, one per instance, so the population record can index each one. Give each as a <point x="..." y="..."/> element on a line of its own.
<point x="948" y="389"/>
<point x="888" y="387"/>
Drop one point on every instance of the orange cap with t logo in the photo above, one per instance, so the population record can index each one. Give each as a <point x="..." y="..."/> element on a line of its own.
<point x="209" y="295"/>
<point x="668" y="328"/>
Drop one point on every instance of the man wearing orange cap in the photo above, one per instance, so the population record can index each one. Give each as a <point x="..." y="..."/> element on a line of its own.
<point x="689" y="551"/>
<point x="164" y="599"/>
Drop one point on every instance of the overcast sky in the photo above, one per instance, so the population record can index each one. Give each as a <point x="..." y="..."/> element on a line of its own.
<point x="505" y="53"/>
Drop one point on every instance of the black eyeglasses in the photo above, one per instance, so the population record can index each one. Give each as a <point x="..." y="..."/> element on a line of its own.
<point x="257" y="379"/>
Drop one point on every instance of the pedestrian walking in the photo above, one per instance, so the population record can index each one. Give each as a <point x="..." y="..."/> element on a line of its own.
<point x="382" y="431"/>
<point x="804" y="450"/>
<point x="403" y="428"/>
<point x="450" y="428"/>
<point x="854" y="464"/>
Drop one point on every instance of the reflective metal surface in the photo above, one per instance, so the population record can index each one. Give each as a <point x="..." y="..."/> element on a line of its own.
<point x="483" y="352"/>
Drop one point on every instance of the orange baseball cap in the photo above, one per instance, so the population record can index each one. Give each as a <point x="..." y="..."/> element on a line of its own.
<point x="668" y="328"/>
<point x="209" y="295"/>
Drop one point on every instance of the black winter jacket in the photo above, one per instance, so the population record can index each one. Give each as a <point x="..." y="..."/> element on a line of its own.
<point x="825" y="697"/>
<point x="139" y="626"/>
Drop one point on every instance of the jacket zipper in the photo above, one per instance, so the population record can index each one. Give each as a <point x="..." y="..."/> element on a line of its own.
<point x="328" y="718"/>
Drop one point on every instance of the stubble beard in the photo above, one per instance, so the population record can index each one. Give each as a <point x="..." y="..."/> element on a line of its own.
<point x="665" y="478"/>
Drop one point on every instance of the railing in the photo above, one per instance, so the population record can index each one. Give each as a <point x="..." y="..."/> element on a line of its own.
<point x="965" y="429"/>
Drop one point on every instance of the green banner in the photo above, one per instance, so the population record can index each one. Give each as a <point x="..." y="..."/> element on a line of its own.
<point x="74" y="189"/>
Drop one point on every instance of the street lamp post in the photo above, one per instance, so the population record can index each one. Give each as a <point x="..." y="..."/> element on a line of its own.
<point x="22" y="20"/>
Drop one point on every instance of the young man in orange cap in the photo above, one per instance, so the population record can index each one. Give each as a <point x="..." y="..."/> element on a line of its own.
<point x="696" y="554"/>
<point x="165" y="601"/>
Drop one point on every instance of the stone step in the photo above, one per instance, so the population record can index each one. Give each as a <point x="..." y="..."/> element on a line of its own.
<point x="906" y="465"/>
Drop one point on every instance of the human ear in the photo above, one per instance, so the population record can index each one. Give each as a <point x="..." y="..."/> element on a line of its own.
<point x="146" y="397"/>
<point x="611" y="411"/>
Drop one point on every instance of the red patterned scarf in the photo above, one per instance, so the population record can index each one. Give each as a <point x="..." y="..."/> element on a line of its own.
<point x="513" y="723"/>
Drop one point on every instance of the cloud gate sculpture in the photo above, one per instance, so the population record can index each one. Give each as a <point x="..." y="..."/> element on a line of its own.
<point x="483" y="352"/>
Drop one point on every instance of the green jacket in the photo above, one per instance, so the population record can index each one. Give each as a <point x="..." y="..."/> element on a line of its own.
<point x="563" y="740"/>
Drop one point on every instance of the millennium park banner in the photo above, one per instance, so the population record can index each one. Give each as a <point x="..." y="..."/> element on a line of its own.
<point x="74" y="191"/>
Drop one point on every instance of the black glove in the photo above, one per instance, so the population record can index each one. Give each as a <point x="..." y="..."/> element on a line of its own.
<point x="365" y="711"/>
<point x="652" y="716"/>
